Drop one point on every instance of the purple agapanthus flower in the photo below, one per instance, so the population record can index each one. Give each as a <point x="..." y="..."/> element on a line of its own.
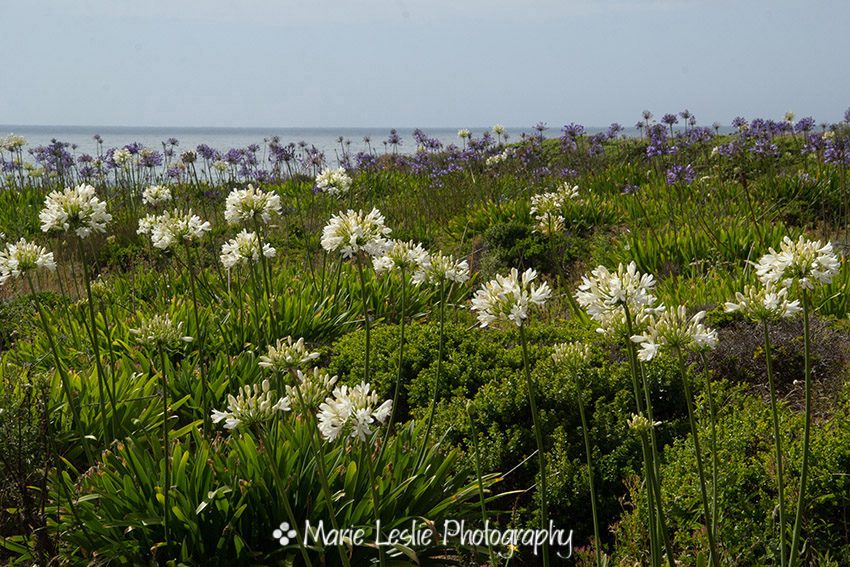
<point x="680" y="174"/>
<point x="670" y="119"/>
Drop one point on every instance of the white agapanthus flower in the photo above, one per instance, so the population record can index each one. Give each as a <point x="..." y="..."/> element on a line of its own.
<point x="175" y="227"/>
<point x="498" y="129"/>
<point x="250" y="204"/>
<point x="464" y="134"/>
<point x="407" y="256"/>
<point x="352" y="232"/>
<point x="547" y="208"/>
<point x="155" y="195"/>
<point x="13" y="142"/>
<point x="311" y="388"/>
<point x="220" y="165"/>
<point x="442" y="268"/>
<point x="509" y="298"/>
<point x="804" y="262"/>
<point x="287" y="355"/>
<point x="571" y="356"/>
<point x="333" y="181"/>
<point x="352" y="410"/>
<point x="499" y="158"/>
<point x="244" y="249"/>
<point x="160" y="331"/>
<point x="22" y="258"/>
<point x="147" y="223"/>
<point x="121" y="156"/>
<point x="764" y="303"/>
<point x="78" y="210"/>
<point x="641" y="424"/>
<point x="674" y="330"/>
<point x="251" y="405"/>
<point x="605" y="295"/>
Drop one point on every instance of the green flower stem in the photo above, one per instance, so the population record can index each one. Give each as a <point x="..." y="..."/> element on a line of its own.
<point x="586" y="434"/>
<point x="166" y="488"/>
<point x="63" y="374"/>
<point x="479" y="478"/>
<point x="400" y="362"/>
<point x="367" y="371"/>
<point x="319" y="452"/>
<point x="101" y="375"/>
<point x="436" y="395"/>
<point x="199" y="332"/>
<point x="257" y="301"/>
<point x="538" y="434"/>
<point x="375" y="500"/>
<point x="266" y="277"/>
<point x="804" y="473"/>
<point x="780" y="475"/>
<point x="689" y="401"/>
<point x="712" y="411"/>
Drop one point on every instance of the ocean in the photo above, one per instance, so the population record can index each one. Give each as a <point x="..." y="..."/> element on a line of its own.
<point x="325" y="139"/>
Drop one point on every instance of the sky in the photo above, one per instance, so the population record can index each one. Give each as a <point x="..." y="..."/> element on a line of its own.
<point x="426" y="63"/>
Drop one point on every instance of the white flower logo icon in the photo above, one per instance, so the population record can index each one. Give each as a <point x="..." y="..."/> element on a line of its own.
<point x="284" y="534"/>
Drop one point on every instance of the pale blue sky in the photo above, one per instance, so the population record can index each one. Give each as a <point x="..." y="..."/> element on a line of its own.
<point x="336" y="63"/>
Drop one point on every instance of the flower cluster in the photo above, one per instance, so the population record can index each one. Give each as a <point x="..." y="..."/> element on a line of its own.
<point x="509" y="297"/>
<point x="76" y="209"/>
<point x="803" y="262"/>
<point x="399" y="255"/>
<point x="310" y="389"/>
<point x="673" y="329"/>
<point x="156" y="195"/>
<point x="250" y="204"/>
<point x="547" y="208"/>
<point x="442" y="268"/>
<point x="571" y="356"/>
<point x="606" y="296"/>
<point x="763" y="303"/>
<point x="252" y="405"/>
<point x="22" y="258"/>
<point x="641" y="424"/>
<point x="173" y="227"/>
<point x="352" y="232"/>
<point x="333" y="181"/>
<point x="159" y="332"/>
<point x="287" y="355"/>
<point x="352" y="410"/>
<point x="243" y="249"/>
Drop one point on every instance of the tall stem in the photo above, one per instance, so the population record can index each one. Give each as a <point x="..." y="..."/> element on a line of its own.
<point x="367" y="454"/>
<point x="166" y="482"/>
<point x="709" y="524"/>
<point x="801" y="503"/>
<point x="712" y="412"/>
<point x="777" y="439"/>
<point x="400" y="361"/>
<point x="598" y="543"/>
<point x="365" y="298"/>
<point x="433" y="408"/>
<point x="200" y="335"/>
<point x="479" y="478"/>
<point x="96" y="346"/>
<point x="538" y="435"/>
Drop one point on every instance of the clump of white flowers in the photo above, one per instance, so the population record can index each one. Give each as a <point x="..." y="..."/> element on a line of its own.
<point x="78" y="210"/>
<point x="763" y="303"/>
<point x="160" y="332"/>
<point x="287" y="355"/>
<point x="251" y="405"/>
<point x="498" y="129"/>
<point x="310" y="389"/>
<point x="571" y="356"/>
<point x="352" y="411"/>
<point x="13" y="142"/>
<point x="804" y="262"/>
<point x="333" y="181"/>
<point x="547" y="208"/>
<point x="641" y="424"/>
<point x="399" y="255"/>
<point x="244" y="249"/>
<point x="464" y="134"/>
<point x="606" y="296"/>
<point x="674" y="330"/>
<point x="173" y="227"/>
<point x="499" y="158"/>
<point x="352" y="232"/>
<point x="442" y="268"/>
<point x="508" y="298"/>
<point x="22" y="258"/>
<point x="250" y="204"/>
<point x="155" y="195"/>
<point x="121" y="156"/>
